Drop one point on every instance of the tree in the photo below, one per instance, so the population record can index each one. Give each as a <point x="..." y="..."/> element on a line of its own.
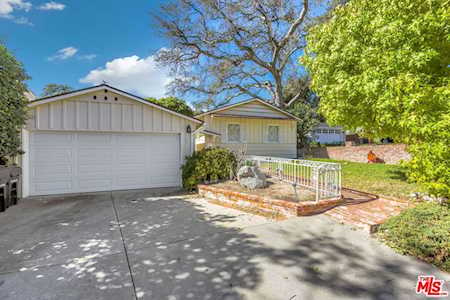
<point x="13" y="104"/>
<point x="174" y="104"/>
<point x="52" y="89"/>
<point x="305" y="107"/>
<point x="382" y="66"/>
<point x="223" y="50"/>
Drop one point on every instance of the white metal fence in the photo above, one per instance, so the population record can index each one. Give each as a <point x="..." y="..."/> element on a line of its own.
<point x="322" y="178"/>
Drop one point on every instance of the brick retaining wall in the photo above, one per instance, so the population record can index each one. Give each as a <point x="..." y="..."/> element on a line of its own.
<point x="267" y="204"/>
<point x="390" y="153"/>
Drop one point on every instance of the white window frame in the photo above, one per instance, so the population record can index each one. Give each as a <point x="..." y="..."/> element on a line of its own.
<point x="240" y="134"/>
<point x="267" y="133"/>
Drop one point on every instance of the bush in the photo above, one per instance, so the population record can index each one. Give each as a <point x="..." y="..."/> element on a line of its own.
<point x="13" y="104"/>
<point x="422" y="231"/>
<point x="210" y="164"/>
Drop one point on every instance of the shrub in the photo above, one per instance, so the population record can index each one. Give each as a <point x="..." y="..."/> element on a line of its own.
<point x="13" y="104"/>
<point x="422" y="231"/>
<point x="210" y="164"/>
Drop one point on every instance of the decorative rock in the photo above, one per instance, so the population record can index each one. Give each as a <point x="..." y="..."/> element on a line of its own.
<point x="428" y="198"/>
<point x="251" y="177"/>
<point x="414" y="195"/>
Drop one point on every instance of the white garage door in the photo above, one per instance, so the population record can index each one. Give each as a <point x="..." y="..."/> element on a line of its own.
<point x="88" y="162"/>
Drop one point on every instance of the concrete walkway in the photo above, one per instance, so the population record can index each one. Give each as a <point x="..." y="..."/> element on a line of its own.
<point x="135" y="245"/>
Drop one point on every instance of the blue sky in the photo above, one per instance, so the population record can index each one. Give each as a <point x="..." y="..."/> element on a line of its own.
<point x="82" y="42"/>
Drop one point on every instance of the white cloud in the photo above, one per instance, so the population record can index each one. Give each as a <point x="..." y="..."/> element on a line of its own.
<point x="7" y="7"/>
<point x="64" y="53"/>
<point x="87" y="56"/>
<point x="52" y="6"/>
<point x="138" y="75"/>
<point x="22" y="21"/>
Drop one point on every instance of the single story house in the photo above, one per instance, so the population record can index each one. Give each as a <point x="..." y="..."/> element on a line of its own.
<point x="100" y="139"/>
<point x="254" y="127"/>
<point x="325" y="134"/>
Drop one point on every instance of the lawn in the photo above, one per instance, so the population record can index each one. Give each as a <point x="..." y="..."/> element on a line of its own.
<point x="380" y="179"/>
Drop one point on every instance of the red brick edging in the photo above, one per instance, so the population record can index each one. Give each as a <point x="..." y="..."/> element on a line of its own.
<point x="267" y="204"/>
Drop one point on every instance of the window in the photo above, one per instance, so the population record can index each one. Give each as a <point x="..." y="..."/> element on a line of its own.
<point x="273" y="134"/>
<point x="234" y="133"/>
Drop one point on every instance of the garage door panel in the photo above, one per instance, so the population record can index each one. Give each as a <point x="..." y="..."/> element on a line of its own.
<point x="53" y="155"/>
<point x="92" y="185"/>
<point x="54" y="187"/>
<point x="93" y="140"/>
<point x="53" y="172"/>
<point x="86" y="162"/>
<point x="54" y="139"/>
<point x="96" y="156"/>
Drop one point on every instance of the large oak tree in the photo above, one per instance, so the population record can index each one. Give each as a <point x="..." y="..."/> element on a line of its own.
<point x="227" y="49"/>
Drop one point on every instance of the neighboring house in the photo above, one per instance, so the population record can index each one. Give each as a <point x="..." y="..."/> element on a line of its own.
<point x="254" y="127"/>
<point x="325" y="134"/>
<point x="101" y="139"/>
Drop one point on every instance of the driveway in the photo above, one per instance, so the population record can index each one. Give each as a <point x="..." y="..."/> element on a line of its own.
<point x="136" y="244"/>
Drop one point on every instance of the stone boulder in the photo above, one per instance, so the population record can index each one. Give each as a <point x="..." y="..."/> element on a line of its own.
<point x="251" y="177"/>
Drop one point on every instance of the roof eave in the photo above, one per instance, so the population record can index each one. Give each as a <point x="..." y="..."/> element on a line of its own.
<point x="112" y="89"/>
<point x="245" y="102"/>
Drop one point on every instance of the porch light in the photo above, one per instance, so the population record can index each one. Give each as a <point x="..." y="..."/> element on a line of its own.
<point x="188" y="129"/>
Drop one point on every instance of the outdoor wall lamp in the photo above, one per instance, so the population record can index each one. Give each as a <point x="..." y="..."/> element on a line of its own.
<point x="188" y="129"/>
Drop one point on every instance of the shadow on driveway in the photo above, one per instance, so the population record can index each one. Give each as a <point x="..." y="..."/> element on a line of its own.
<point x="182" y="248"/>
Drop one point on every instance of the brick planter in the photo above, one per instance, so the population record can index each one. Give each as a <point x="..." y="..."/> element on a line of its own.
<point x="266" y="204"/>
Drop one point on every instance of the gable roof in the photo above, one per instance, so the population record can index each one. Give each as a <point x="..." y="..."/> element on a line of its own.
<point x="226" y="107"/>
<point x="104" y="86"/>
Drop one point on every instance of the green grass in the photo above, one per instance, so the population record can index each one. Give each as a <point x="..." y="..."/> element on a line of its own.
<point x="380" y="179"/>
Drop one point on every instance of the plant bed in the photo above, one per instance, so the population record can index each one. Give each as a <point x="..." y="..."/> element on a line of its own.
<point x="421" y="231"/>
<point x="277" y="199"/>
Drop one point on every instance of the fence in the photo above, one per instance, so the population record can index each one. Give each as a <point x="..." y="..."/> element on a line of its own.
<point x="323" y="178"/>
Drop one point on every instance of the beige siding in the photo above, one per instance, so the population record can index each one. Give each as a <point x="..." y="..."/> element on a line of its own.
<point x="255" y="109"/>
<point x="84" y="113"/>
<point x="275" y="150"/>
<point x="254" y="134"/>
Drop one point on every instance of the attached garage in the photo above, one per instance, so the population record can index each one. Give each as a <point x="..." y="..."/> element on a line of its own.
<point x="102" y="139"/>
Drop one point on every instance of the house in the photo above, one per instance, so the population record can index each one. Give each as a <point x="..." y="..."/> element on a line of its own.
<point x="325" y="134"/>
<point x="100" y="139"/>
<point x="253" y="126"/>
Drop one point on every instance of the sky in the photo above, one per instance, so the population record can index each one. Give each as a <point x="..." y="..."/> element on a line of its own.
<point x="82" y="43"/>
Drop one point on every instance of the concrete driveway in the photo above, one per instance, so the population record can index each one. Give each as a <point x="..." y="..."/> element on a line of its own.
<point x="135" y="244"/>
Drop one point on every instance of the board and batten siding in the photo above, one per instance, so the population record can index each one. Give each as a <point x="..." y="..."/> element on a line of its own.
<point x="254" y="133"/>
<point x="254" y="109"/>
<point x="114" y="114"/>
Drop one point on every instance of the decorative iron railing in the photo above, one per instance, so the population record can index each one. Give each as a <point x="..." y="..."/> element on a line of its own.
<point x="322" y="178"/>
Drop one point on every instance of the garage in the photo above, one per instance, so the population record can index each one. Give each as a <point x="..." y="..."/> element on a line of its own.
<point x="103" y="139"/>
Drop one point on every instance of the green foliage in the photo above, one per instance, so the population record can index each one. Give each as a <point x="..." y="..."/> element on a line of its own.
<point x="210" y="164"/>
<point x="52" y="89"/>
<point x="13" y="104"/>
<point x="382" y="66"/>
<point x="422" y="231"/>
<point x="430" y="163"/>
<point x="175" y="104"/>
